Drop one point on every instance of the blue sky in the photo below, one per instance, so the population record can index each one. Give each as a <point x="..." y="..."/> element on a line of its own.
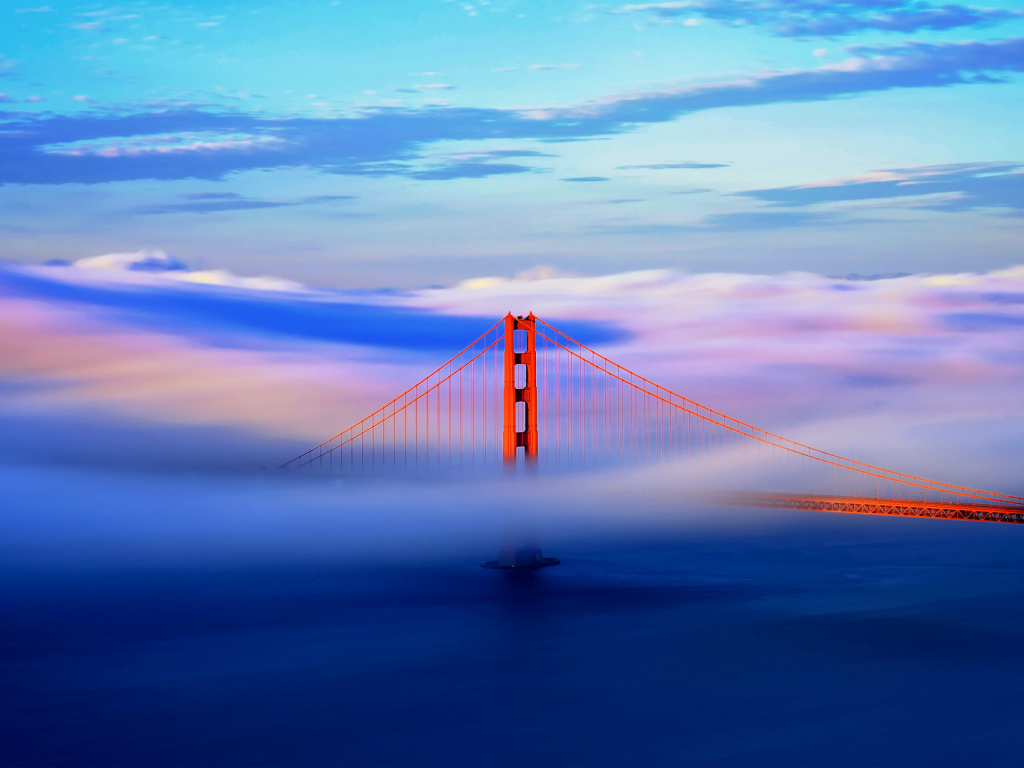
<point x="420" y="143"/>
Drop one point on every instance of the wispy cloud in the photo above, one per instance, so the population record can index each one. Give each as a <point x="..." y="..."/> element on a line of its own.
<point x="142" y="291"/>
<point x="491" y="154"/>
<point x="749" y="221"/>
<point x="7" y="67"/>
<point x="954" y="187"/>
<point x="914" y="65"/>
<point x="585" y="179"/>
<point x="739" y="221"/>
<point x="212" y="202"/>
<point x="469" y="170"/>
<point x="467" y="164"/>
<point x="800" y="18"/>
<point x="161" y="144"/>
<point x="137" y="261"/>
<point x="673" y="166"/>
<point x="98" y="147"/>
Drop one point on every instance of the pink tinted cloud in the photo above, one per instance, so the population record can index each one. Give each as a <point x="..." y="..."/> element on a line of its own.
<point x="920" y="373"/>
<point x="862" y="367"/>
<point x="728" y="323"/>
<point x="87" y="357"/>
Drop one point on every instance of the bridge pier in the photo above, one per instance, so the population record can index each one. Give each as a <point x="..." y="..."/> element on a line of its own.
<point x="520" y="551"/>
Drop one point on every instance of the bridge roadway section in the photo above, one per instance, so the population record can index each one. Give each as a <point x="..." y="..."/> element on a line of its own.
<point x="985" y="512"/>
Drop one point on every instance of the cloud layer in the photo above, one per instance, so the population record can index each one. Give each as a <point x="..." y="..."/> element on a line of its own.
<point x="833" y="362"/>
<point x="954" y="187"/>
<point x="216" y="202"/>
<point x="832" y="18"/>
<point x="169" y="144"/>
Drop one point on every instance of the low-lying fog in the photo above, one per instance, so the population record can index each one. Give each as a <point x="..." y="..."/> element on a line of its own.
<point x="165" y="601"/>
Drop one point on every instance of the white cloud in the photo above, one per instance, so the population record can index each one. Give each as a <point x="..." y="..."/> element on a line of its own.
<point x="168" y="267"/>
<point x="224" y="278"/>
<point x="137" y="261"/>
<point x="163" y="144"/>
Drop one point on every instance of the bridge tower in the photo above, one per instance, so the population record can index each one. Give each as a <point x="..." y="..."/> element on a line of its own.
<point x="520" y="392"/>
<point x="521" y="549"/>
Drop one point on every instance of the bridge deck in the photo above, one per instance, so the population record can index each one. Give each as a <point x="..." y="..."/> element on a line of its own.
<point x="983" y="511"/>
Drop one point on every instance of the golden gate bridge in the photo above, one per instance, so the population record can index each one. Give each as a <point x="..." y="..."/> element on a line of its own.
<point x="524" y="397"/>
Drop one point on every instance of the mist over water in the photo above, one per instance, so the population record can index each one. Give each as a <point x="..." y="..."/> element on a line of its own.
<point x="174" y="619"/>
<point x="165" y="601"/>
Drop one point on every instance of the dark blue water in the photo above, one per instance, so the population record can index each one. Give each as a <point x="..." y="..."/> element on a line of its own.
<point x="833" y="640"/>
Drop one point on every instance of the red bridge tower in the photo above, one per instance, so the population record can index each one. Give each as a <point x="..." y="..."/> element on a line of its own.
<point x="521" y="550"/>
<point x="520" y="392"/>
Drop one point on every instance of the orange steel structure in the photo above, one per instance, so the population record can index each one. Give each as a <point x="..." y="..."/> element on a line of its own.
<point x="989" y="512"/>
<point x="519" y="429"/>
<point x="523" y="384"/>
